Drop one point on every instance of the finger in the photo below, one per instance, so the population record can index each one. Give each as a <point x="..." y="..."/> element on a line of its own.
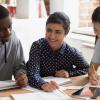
<point x="55" y="84"/>
<point x="20" y="74"/>
<point x="48" y="87"/>
<point x="66" y="75"/>
<point x="22" y="81"/>
<point x="22" y="77"/>
<point x="94" y="82"/>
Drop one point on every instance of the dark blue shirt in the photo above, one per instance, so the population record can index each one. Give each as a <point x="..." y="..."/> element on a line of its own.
<point x="43" y="61"/>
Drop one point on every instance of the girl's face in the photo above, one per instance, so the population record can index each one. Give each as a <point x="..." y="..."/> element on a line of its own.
<point x="96" y="26"/>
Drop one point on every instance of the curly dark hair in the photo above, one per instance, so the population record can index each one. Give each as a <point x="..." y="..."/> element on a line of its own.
<point x="3" y="12"/>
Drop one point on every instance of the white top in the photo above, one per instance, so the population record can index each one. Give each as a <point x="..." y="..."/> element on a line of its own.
<point x="96" y="55"/>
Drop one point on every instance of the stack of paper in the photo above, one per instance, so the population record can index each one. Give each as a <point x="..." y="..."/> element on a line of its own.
<point x="59" y="80"/>
<point x="6" y="83"/>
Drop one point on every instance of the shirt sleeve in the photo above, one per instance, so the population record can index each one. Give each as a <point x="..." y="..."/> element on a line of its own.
<point x="96" y="55"/>
<point x="80" y="65"/>
<point x="33" y="67"/>
<point x="19" y="64"/>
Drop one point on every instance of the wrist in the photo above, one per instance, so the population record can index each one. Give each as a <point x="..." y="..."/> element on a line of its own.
<point x="44" y="85"/>
<point x="20" y="72"/>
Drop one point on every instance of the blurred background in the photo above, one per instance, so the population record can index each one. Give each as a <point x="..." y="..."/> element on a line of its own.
<point x="29" y="17"/>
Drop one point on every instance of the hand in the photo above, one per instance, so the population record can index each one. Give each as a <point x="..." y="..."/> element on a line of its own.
<point x="50" y="86"/>
<point x="94" y="79"/>
<point x="62" y="73"/>
<point x="21" y="79"/>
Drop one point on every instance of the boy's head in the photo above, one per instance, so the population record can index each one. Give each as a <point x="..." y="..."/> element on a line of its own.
<point x="60" y="18"/>
<point x="57" y="27"/>
<point x="96" y="21"/>
<point x="5" y="24"/>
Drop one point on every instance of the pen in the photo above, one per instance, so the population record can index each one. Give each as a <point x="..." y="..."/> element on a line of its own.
<point x="61" y="91"/>
<point x="95" y="74"/>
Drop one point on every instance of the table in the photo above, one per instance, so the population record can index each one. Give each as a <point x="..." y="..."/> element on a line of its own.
<point x="78" y="81"/>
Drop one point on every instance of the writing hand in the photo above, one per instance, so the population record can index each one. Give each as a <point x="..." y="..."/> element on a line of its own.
<point x="94" y="79"/>
<point x="50" y="86"/>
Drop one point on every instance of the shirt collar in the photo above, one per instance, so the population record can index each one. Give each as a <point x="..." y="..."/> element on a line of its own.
<point x="62" y="49"/>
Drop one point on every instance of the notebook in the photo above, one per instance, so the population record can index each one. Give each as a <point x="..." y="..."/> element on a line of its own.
<point x="6" y="85"/>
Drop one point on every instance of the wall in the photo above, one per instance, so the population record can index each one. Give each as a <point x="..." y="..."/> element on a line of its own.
<point x="70" y="7"/>
<point x="86" y="8"/>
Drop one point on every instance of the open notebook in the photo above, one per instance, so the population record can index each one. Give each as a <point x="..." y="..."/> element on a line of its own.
<point x="59" y="80"/>
<point x="5" y="85"/>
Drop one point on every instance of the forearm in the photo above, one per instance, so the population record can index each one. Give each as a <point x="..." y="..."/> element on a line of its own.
<point x="36" y="82"/>
<point x="20" y="69"/>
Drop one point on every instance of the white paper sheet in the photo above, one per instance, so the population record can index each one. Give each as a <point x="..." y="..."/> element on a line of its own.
<point x="71" y="87"/>
<point x="59" y="80"/>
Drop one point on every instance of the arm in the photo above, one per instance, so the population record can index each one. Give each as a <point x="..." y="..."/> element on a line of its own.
<point x="80" y="64"/>
<point x="33" y="67"/>
<point x="19" y="66"/>
<point x="95" y="63"/>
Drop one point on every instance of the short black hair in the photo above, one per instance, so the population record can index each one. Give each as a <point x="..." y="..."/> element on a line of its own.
<point x="96" y="15"/>
<point x="96" y="18"/>
<point x="3" y="12"/>
<point x="60" y="18"/>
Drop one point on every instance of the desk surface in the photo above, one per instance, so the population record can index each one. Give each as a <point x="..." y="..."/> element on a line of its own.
<point x="79" y="80"/>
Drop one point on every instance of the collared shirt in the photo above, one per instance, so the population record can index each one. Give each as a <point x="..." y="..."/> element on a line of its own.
<point x="14" y="58"/>
<point x="96" y="55"/>
<point x="43" y="61"/>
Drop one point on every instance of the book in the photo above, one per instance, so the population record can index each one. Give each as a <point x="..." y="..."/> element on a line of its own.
<point x="6" y="85"/>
